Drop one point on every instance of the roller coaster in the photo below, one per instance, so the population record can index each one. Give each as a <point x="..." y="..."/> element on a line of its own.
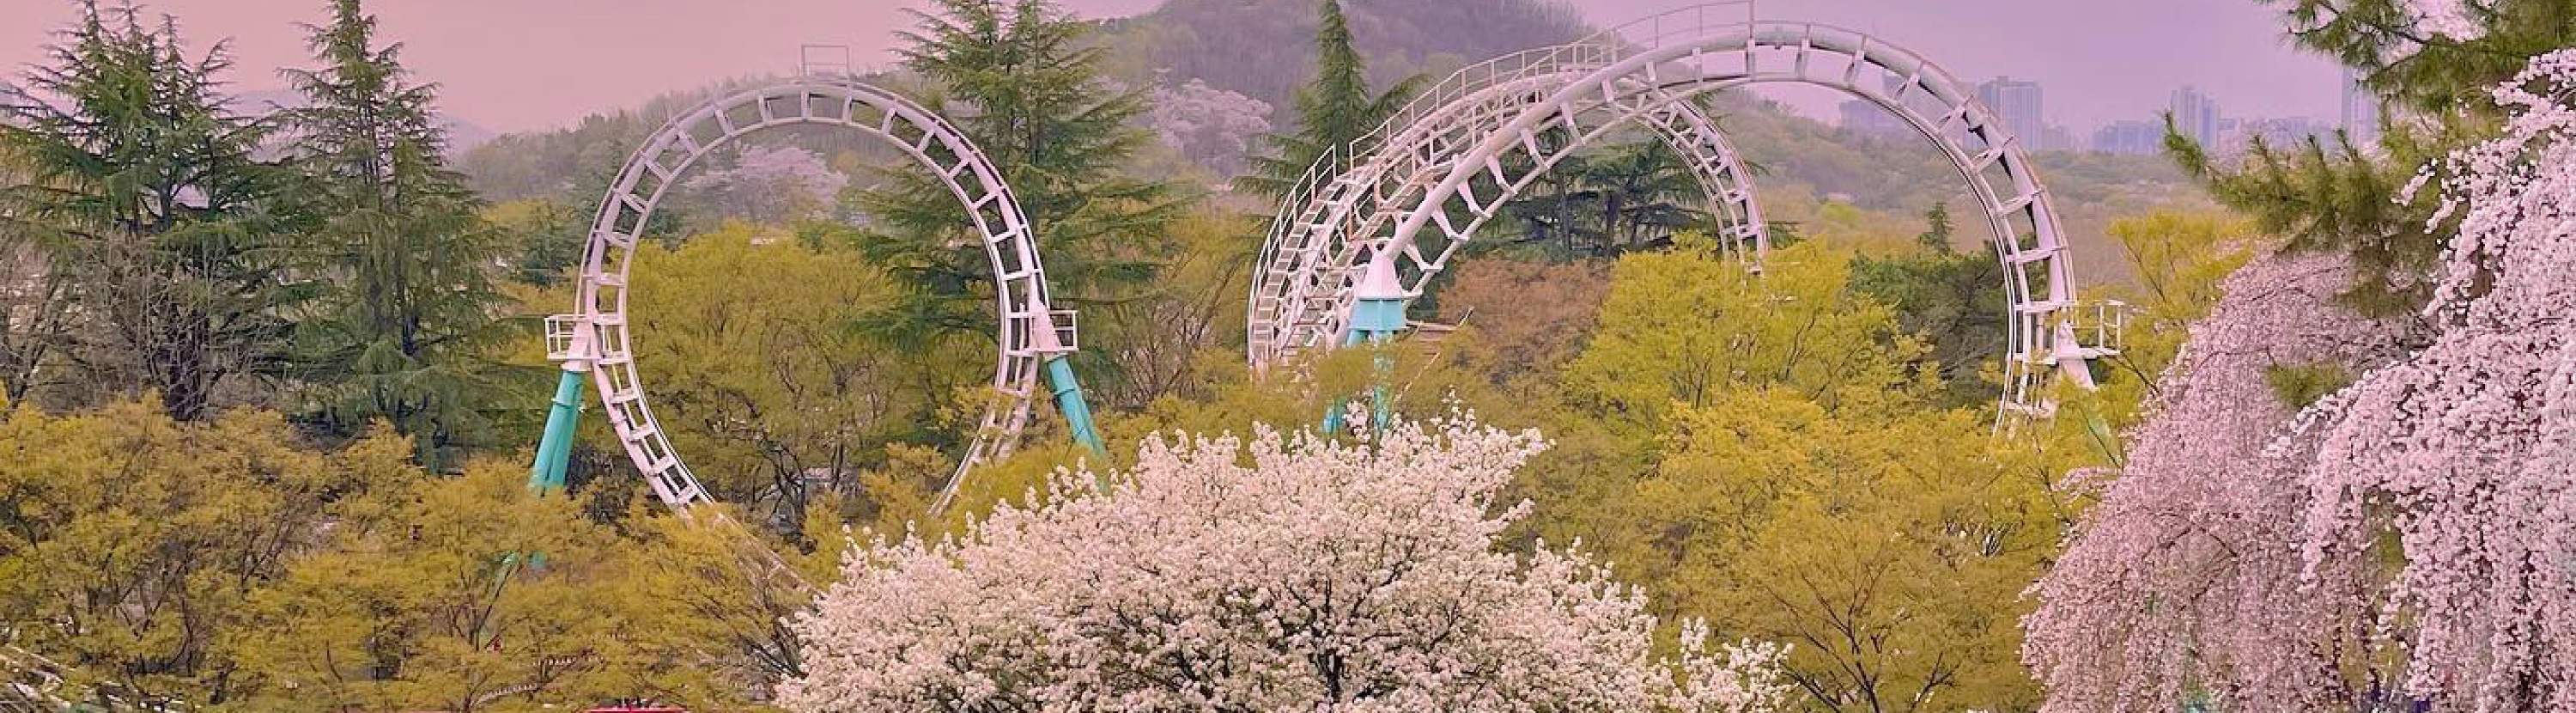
<point x="1371" y="223"/>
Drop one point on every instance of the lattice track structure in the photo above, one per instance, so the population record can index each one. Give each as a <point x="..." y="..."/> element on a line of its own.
<point x="1347" y="185"/>
<point x="1407" y="198"/>
<point x="595" y="336"/>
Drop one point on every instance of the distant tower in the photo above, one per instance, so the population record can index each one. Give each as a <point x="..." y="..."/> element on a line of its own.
<point x="2017" y="102"/>
<point x="1867" y="119"/>
<point x="2360" y="110"/>
<point x="2196" y="115"/>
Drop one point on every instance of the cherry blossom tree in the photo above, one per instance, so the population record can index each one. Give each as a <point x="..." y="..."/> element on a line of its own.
<point x="2186" y="578"/>
<point x="2463" y="454"/>
<point x="1211" y="127"/>
<point x="2405" y="543"/>
<point x="1302" y="574"/>
<point x="772" y="184"/>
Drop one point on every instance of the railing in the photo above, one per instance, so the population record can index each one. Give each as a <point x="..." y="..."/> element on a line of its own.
<point x="564" y="340"/>
<point x="1065" y="324"/>
<point x="2101" y="327"/>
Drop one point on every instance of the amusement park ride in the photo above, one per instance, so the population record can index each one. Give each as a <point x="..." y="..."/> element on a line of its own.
<point x="1371" y="223"/>
<point x="1363" y="232"/>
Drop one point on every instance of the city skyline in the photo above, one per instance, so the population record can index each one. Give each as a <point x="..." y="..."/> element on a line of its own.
<point x="2020" y="107"/>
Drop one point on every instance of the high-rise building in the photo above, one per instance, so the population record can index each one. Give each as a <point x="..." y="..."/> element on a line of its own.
<point x="2017" y="103"/>
<point x="2133" y="137"/>
<point x="2361" y="108"/>
<point x="2196" y="115"/>
<point x="1868" y="119"/>
<point x="2057" y="138"/>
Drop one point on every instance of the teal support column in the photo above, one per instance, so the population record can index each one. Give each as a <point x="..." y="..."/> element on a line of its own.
<point x="1047" y="343"/>
<point x="1377" y="315"/>
<point x="1068" y="401"/>
<point x="554" y="452"/>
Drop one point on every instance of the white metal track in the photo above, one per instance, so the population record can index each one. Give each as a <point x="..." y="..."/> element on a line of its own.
<point x="600" y="307"/>
<point x="1415" y="192"/>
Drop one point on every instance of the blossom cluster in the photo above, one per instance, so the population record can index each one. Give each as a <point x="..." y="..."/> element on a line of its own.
<point x="2408" y="542"/>
<point x="1212" y="127"/>
<point x="1300" y="574"/>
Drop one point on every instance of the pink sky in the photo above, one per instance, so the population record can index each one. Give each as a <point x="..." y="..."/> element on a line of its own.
<point x="524" y="64"/>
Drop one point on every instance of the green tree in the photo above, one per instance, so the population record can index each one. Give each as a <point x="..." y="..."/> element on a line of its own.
<point x="1953" y="301"/>
<point x="2330" y="194"/>
<point x="1333" y="110"/>
<point x="767" y="384"/>
<point x="409" y="310"/>
<point x="2180" y="259"/>
<point x="421" y="602"/>
<point x="144" y="186"/>
<point x="1609" y="200"/>
<point x="1683" y="327"/>
<point x="1886" y="541"/>
<point x="133" y="543"/>
<point x="1019" y="78"/>
<point x="36" y="320"/>
<point x="550" y="237"/>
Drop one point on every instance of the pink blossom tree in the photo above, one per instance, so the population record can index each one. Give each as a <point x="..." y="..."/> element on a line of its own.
<point x="772" y="185"/>
<point x="1302" y="575"/>
<point x="1211" y="127"/>
<point x="2410" y="540"/>
<point x="2186" y="577"/>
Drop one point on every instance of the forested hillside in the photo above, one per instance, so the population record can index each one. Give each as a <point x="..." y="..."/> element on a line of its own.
<point x="1265" y="49"/>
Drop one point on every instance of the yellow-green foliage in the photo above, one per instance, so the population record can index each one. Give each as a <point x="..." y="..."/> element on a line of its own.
<point x="1753" y="450"/>
<point x="224" y="565"/>
<point x="1685" y="326"/>
<point x="761" y="365"/>
<point x="133" y="542"/>
<point x="1885" y="540"/>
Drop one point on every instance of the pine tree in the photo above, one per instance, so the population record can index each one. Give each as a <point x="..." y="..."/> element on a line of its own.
<point x="2336" y="195"/>
<point x="1332" y="111"/>
<point x="1937" y="228"/>
<point x="1020" y="81"/>
<point x="410" y="308"/>
<point x="143" y="190"/>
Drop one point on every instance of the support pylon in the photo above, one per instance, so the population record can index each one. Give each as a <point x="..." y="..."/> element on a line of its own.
<point x="563" y="417"/>
<point x="1060" y="380"/>
<point x="1377" y="316"/>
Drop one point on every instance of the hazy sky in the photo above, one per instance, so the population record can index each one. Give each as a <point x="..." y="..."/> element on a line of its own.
<point x="525" y="64"/>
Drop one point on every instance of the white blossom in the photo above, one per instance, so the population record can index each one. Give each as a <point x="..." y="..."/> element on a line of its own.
<point x="1302" y="575"/>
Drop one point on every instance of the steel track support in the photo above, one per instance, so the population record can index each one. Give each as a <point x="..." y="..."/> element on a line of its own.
<point x="1058" y="366"/>
<point x="1377" y="317"/>
<point x="563" y="415"/>
<point x="554" y="453"/>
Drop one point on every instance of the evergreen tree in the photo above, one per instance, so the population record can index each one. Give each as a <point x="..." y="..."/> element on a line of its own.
<point x="1332" y="111"/>
<point x="1947" y="299"/>
<point x="1019" y="80"/>
<point x="409" y="309"/>
<point x="142" y="187"/>
<point x="1937" y="228"/>
<point x="2338" y="196"/>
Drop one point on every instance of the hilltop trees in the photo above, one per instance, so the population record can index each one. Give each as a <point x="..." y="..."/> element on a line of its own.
<point x="407" y="309"/>
<point x="142" y="187"/>
<point x="1017" y="77"/>
<point x="1333" y="110"/>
